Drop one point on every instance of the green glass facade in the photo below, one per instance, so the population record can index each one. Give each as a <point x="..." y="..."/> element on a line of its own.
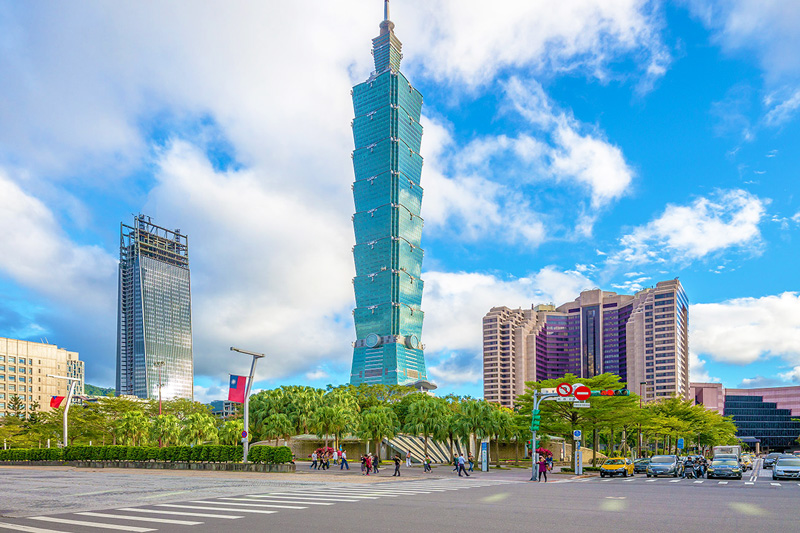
<point x="387" y="222"/>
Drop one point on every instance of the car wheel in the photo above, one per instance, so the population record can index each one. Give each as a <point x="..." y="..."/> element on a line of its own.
<point x="675" y="474"/>
<point x="602" y="474"/>
<point x="648" y="475"/>
<point x="624" y="473"/>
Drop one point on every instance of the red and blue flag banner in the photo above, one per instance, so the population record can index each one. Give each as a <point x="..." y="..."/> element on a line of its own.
<point x="55" y="401"/>
<point x="237" y="389"/>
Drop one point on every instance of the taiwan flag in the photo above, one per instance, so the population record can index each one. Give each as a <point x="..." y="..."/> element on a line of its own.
<point x="55" y="401"/>
<point x="237" y="390"/>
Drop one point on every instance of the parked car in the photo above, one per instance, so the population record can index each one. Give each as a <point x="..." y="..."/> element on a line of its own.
<point x="786" y="467"/>
<point x="769" y="460"/>
<point x="618" y="466"/>
<point x="640" y="465"/>
<point x="728" y="467"/>
<point x="664" y="465"/>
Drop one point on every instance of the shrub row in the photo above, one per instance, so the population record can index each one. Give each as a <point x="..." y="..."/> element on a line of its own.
<point x="221" y="454"/>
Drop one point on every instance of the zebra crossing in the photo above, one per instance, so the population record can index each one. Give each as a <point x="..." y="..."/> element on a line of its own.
<point x="201" y="511"/>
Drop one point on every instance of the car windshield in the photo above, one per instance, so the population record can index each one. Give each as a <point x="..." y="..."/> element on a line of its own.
<point x="725" y="462"/>
<point x="788" y="461"/>
<point x="643" y="460"/>
<point x="663" y="459"/>
<point x="773" y="455"/>
<point x="725" y="457"/>
<point x="615" y="462"/>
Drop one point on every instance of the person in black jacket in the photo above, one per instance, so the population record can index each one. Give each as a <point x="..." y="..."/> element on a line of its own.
<point x="396" y="465"/>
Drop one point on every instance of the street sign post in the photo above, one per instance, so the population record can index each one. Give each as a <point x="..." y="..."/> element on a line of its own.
<point x="582" y="393"/>
<point x="565" y="389"/>
<point x="680" y="443"/>
<point x="576" y="434"/>
<point x="564" y="398"/>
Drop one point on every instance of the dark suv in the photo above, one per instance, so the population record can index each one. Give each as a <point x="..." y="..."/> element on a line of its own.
<point x="769" y="460"/>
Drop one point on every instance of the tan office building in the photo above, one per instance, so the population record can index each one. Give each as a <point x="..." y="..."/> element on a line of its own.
<point x="643" y="338"/>
<point x="24" y="367"/>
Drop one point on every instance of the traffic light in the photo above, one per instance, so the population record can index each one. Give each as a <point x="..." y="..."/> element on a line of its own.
<point x="536" y="420"/>
<point x="617" y="392"/>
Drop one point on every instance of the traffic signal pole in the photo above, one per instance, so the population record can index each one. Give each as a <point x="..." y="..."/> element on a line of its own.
<point x="538" y="396"/>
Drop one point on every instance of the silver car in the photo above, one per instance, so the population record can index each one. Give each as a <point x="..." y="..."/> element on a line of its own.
<point x="664" y="465"/>
<point x="786" y="467"/>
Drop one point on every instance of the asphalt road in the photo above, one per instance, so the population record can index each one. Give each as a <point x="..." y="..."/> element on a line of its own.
<point x="497" y="501"/>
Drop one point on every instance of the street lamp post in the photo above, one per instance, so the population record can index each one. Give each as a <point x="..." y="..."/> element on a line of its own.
<point x="158" y="365"/>
<point x="246" y="437"/>
<point x="72" y="382"/>
<point x="639" y="444"/>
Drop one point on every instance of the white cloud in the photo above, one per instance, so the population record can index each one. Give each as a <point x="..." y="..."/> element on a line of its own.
<point x="632" y="285"/>
<point x="698" y="372"/>
<point x="745" y="330"/>
<point x="792" y="375"/>
<point x="796" y="217"/>
<point x="317" y="374"/>
<point x="760" y="382"/>
<point x="470" y="41"/>
<point x="726" y="220"/>
<point x="37" y="253"/>
<point x="784" y="111"/>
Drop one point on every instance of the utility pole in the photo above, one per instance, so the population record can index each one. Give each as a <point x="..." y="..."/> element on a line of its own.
<point x="158" y="365"/>
<point x="72" y="382"/>
<point x="246" y="432"/>
<point x="538" y="396"/>
<point x="639" y="442"/>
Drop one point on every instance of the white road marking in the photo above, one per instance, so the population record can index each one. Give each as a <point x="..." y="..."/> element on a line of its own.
<point x="91" y="524"/>
<point x="674" y="480"/>
<point x="177" y="513"/>
<point x="28" y="529"/>
<point x="141" y="518"/>
<point x="775" y="484"/>
<point x="749" y="483"/>
<point x="215" y="508"/>
<point x="698" y="481"/>
<point x="275" y="501"/>
<point x="722" y="482"/>
<point x="250" y="504"/>
<point x="649" y="480"/>
<point x="301" y="497"/>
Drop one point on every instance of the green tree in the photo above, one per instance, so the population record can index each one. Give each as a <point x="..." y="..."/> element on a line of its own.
<point x="376" y="423"/>
<point x="277" y="425"/>
<point x="424" y="415"/>
<point x="16" y="406"/>
<point x="500" y="426"/>
<point x="131" y="426"/>
<point x="198" y="428"/>
<point x="230" y="432"/>
<point x="167" y="429"/>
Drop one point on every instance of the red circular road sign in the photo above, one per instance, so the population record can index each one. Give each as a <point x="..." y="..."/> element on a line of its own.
<point x="565" y="389"/>
<point x="582" y="393"/>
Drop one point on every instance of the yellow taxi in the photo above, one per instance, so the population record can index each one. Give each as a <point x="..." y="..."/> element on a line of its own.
<point x="747" y="461"/>
<point x="617" y="466"/>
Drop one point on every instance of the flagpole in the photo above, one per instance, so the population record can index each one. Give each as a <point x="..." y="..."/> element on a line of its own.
<point x="246" y="436"/>
<point x="72" y="382"/>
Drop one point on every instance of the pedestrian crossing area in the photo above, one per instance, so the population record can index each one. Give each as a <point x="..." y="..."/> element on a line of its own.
<point x="685" y="481"/>
<point x="224" y="510"/>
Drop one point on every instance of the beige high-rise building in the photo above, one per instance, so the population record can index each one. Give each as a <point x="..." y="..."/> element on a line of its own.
<point x="643" y="338"/>
<point x="24" y="367"/>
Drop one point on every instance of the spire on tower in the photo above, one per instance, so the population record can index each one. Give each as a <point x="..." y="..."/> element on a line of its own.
<point x="385" y="9"/>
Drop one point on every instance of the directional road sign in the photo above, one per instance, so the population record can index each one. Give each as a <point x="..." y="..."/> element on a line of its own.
<point x="549" y="391"/>
<point x="565" y="399"/>
<point x="680" y="443"/>
<point x="576" y="434"/>
<point x="581" y="404"/>
<point x="582" y="393"/>
<point x="565" y="389"/>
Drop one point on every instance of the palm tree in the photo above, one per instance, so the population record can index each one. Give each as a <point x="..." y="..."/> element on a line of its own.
<point x="322" y="422"/>
<point x="199" y="428"/>
<point x="477" y="418"/>
<point x="424" y="415"/>
<point x="231" y="431"/>
<point x="376" y="423"/>
<point x="501" y="425"/>
<point x="166" y="428"/>
<point x="131" y="426"/>
<point x="277" y="425"/>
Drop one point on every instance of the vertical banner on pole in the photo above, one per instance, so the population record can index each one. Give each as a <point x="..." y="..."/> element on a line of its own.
<point x="484" y="456"/>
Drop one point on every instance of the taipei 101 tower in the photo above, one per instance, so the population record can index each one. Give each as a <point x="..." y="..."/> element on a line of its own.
<point x="388" y="228"/>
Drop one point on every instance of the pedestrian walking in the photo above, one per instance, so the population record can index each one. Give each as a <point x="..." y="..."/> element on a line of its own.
<point x="427" y="464"/>
<point x="543" y="469"/>
<point x="369" y="463"/>
<point x="471" y="461"/>
<point x="363" y="464"/>
<point x="455" y="464"/>
<point x="335" y="456"/>
<point x="396" y="465"/>
<point x="343" y="461"/>
<point x="549" y="463"/>
<point x="461" y="463"/>
<point x="408" y="458"/>
<point x="314" y="460"/>
<point x="375" y="463"/>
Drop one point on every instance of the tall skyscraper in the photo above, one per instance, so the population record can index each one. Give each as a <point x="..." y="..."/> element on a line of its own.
<point x="154" y="312"/>
<point x="388" y="228"/>
<point x="643" y="338"/>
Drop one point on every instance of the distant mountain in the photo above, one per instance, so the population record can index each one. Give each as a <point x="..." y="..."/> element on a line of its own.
<point x="91" y="390"/>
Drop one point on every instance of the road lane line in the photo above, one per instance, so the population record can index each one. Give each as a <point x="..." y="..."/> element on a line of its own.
<point x="275" y="501"/>
<point x="722" y="482"/>
<point x="177" y="513"/>
<point x="29" y="529"/>
<point x="250" y="504"/>
<point x="300" y="497"/>
<point x="674" y="480"/>
<point x="749" y="483"/>
<point x="649" y="480"/>
<point x="239" y="510"/>
<point x="321" y="495"/>
<point x="59" y="520"/>
<point x="698" y="481"/>
<point x="775" y="484"/>
<point x="141" y="518"/>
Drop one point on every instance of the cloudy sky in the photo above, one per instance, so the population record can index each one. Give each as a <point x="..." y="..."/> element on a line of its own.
<point x="568" y="145"/>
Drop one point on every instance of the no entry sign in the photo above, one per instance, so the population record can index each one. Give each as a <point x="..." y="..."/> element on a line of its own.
<point x="582" y="393"/>
<point x="565" y="389"/>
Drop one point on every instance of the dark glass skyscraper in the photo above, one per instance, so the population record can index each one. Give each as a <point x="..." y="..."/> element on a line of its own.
<point x="154" y="312"/>
<point x="387" y="223"/>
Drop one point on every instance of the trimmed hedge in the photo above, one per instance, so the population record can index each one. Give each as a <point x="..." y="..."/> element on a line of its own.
<point x="214" y="454"/>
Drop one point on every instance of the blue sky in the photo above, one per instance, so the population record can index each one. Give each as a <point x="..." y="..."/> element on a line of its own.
<point x="570" y="146"/>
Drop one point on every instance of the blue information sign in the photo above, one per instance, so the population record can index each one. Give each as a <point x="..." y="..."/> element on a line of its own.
<point x="680" y="444"/>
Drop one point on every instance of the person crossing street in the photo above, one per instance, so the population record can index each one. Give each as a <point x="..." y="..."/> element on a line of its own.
<point x="461" y="463"/>
<point x="396" y="465"/>
<point x="344" y="461"/>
